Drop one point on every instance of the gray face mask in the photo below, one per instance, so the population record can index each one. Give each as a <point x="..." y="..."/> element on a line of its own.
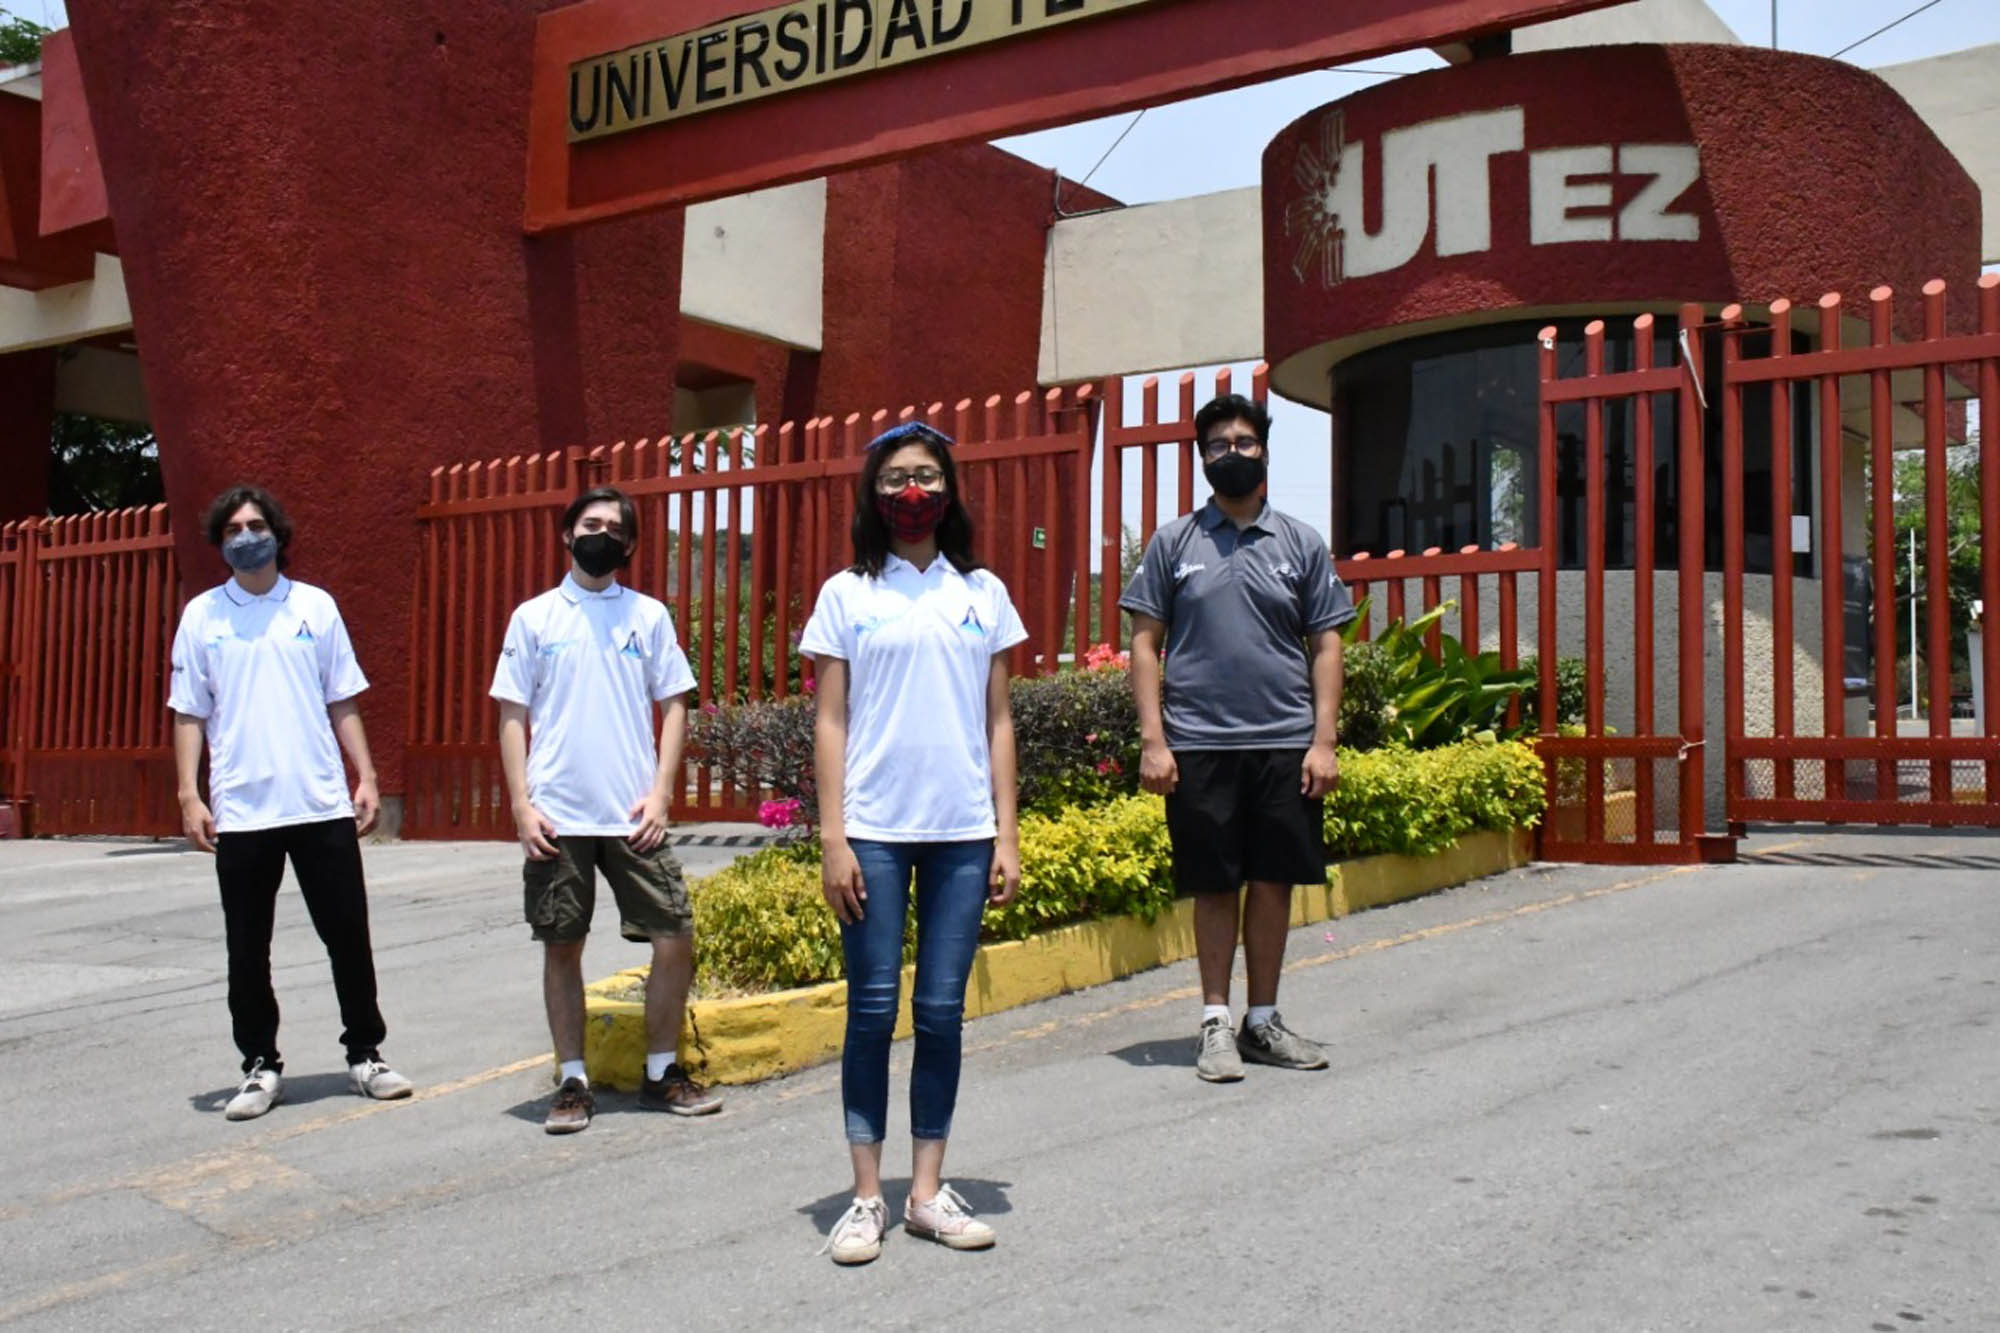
<point x="247" y="551"/>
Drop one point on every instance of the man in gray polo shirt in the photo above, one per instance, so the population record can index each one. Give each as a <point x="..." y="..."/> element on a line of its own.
<point x="1241" y="742"/>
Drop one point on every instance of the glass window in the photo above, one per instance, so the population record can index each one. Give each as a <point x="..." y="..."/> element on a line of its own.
<point x="1437" y="446"/>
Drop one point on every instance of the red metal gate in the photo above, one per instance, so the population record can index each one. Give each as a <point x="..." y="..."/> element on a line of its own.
<point x="1627" y="792"/>
<point x="1854" y="769"/>
<point x="87" y="608"/>
<point x="776" y="500"/>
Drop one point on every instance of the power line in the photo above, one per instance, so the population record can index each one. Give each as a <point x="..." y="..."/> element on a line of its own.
<point x="1884" y="28"/>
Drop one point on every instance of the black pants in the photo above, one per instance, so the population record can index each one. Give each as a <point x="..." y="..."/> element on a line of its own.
<point x="326" y="860"/>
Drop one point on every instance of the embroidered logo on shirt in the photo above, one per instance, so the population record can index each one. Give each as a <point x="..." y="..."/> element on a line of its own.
<point x="305" y="632"/>
<point x="1283" y="569"/>
<point x="1181" y="571"/>
<point x="631" y="648"/>
<point x="557" y="648"/>
<point x="971" y="623"/>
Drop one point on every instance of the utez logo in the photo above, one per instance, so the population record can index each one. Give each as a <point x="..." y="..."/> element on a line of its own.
<point x="1436" y="184"/>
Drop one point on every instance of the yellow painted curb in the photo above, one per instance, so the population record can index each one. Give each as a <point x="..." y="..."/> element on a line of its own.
<point x="760" y="1036"/>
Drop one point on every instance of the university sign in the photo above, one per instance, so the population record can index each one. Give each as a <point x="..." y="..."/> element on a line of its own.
<point x="793" y="46"/>
<point x="640" y="104"/>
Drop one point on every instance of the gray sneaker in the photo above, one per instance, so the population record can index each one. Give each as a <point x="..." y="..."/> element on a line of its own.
<point x="262" y="1089"/>
<point x="1215" y="1057"/>
<point x="1273" y="1043"/>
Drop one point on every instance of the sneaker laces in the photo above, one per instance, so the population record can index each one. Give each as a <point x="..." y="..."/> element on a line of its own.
<point x="949" y="1205"/>
<point x="253" y="1076"/>
<point x="1215" y="1035"/>
<point x="366" y="1070"/>
<point x="862" y="1212"/>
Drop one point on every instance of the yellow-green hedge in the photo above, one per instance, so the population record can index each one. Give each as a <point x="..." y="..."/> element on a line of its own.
<point x="763" y="925"/>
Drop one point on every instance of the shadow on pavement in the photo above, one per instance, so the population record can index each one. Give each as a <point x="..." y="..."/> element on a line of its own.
<point x="299" y="1091"/>
<point x="988" y="1198"/>
<point x="1174" y="1051"/>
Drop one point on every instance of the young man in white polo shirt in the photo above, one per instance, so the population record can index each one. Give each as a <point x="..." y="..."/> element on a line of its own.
<point x="263" y="673"/>
<point x="581" y="669"/>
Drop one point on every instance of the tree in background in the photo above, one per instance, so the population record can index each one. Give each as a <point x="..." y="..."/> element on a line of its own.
<point x="96" y="464"/>
<point x="1961" y="554"/>
<point x="20" y="40"/>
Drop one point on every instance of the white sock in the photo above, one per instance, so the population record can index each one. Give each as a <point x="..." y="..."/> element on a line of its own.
<point x="574" y="1069"/>
<point x="1220" y="1011"/>
<point x="1260" y="1014"/>
<point x="656" y="1064"/>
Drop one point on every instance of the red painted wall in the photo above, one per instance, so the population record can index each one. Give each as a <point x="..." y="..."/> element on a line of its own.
<point x="1815" y="175"/>
<point x="320" y="212"/>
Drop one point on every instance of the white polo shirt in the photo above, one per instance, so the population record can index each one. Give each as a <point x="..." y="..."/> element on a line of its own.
<point x="919" y="645"/>
<point x="589" y="666"/>
<point x="260" y="672"/>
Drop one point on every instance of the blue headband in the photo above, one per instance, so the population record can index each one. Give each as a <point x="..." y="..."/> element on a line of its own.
<point x="910" y="432"/>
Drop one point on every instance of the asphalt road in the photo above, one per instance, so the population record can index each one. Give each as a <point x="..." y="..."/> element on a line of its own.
<point x="1761" y="1097"/>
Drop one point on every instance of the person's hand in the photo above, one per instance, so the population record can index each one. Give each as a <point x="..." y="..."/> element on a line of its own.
<point x="841" y="883"/>
<point x="1158" y="772"/>
<point x="367" y="806"/>
<point x="1006" y="875"/>
<point x="1320" y="773"/>
<point x="537" y="834"/>
<point x="650" y="811"/>
<point x="198" y="824"/>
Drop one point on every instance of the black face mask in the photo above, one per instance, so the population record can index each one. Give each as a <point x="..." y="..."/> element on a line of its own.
<point x="1235" y="476"/>
<point x="598" y="553"/>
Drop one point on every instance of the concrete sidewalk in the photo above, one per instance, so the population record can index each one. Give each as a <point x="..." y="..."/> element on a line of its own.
<point x="1764" y="1096"/>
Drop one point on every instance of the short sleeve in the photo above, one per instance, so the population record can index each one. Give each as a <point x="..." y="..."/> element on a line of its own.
<point x="1006" y="621"/>
<point x="668" y="674"/>
<point x="1151" y="591"/>
<point x="1324" y="602"/>
<point x="514" y="676"/>
<point x="827" y="632"/>
<point x="339" y="670"/>
<point x="191" y="691"/>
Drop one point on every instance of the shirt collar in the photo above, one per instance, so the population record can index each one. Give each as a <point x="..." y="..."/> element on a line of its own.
<point x="938" y="568"/>
<point x="575" y="593"/>
<point x="241" y="596"/>
<point x="1211" y="517"/>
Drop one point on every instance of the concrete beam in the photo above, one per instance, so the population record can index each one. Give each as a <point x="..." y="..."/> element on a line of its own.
<point x="755" y="263"/>
<point x="68" y="313"/>
<point x="1154" y="287"/>
<point x="1958" y="95"/>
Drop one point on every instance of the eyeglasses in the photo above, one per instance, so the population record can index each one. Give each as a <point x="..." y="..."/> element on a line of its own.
<point x="1248" y="445"/>
<point x="896" y="478"/>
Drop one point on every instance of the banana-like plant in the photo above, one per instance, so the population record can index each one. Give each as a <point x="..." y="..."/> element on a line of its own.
<point x="1455" y="696"/>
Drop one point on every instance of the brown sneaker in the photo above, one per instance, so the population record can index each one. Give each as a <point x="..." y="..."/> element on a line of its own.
<point x="572" y="1108"/>
<point x="678" y="1094"/>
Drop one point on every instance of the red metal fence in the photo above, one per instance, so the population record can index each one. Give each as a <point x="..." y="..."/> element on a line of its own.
<point x="1902" y="395"/>
<point x="779" y="500"/>
<point x="87" y="611"/>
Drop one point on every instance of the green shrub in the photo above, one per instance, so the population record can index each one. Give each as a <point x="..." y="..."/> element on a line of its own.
<point x="1367" y="694"/>
<point x="1570" y="693"/>
<point x="1431" y="701"/>
<point x="1077" y="736"/>
<point x="764" y="925"/>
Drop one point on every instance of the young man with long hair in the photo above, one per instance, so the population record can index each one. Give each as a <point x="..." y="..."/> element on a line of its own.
<point x="265" y="677"/>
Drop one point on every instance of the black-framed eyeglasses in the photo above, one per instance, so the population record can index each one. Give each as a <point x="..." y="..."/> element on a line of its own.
<point x="896" y="478"/>
<point x="1248" y="445"/>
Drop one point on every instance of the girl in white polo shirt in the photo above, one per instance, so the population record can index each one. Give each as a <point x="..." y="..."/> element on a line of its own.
<point x="914" y="755"/>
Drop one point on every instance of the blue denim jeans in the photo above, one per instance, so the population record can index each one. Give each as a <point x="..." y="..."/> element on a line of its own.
<point x="951" y="897"/>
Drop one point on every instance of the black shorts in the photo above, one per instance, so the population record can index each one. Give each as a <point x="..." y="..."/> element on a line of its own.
<point x="1238" y="815"/>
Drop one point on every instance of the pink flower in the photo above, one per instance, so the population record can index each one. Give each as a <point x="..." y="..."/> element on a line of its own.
<point x="809" y="684"/>
<point x="1091" y="739"/>
<point x="780" y="814"/>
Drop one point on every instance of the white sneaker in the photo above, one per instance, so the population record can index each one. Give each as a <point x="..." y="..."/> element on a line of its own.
<point x="947" y="1220"/>
<point x="262" y="1089"/>
<point x="857" y="1237"/>
<point x="372" y="1078"/>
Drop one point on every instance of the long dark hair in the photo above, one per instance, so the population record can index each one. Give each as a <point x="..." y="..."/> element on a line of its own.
<point x="871" y="534"/>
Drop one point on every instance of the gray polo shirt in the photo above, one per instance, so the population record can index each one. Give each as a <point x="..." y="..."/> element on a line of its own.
<point x="1238" y="604"/>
